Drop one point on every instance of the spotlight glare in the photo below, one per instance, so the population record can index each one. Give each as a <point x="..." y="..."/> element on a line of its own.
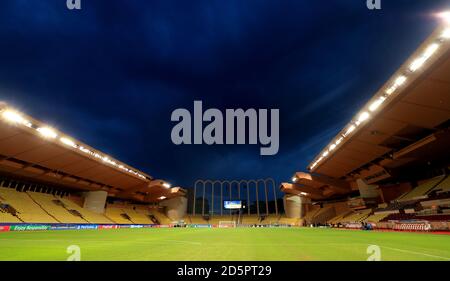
<point x="446" y="34"/>
<point x="363" y="116"/>
<point x="445" y="16"/>
<point x="350" y="130"/>
<point x="400" y="80"/>
<point x="374" y="106"/>
<point x="47" y="132"/>
<point x="391" y="90"/>
<point x="416" y="64"/>
<point x="12" y="116"/>
<point x="430" y="50"/>
<point x="68" y="142"/>
<point x="162" y="197"/>
<point x="166" y="185"/>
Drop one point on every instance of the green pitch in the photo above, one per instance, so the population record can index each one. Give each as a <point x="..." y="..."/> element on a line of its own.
<point x="250" y="244"/>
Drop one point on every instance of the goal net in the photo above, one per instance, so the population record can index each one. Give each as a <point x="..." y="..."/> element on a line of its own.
<point x="225" y="224"/>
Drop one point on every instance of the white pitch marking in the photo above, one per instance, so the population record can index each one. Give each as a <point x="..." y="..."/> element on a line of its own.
<point x="417" y="253"/>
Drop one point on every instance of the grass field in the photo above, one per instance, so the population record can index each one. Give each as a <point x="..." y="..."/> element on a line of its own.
<point x="251" y="244"/>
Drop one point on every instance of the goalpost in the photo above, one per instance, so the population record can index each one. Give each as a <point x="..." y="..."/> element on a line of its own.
<point x="226" y="224"/>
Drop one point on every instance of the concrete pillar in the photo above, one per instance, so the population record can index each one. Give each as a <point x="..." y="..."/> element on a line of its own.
<point x="175" y="208"/>
<point x="95" y="201"/>
<point x="295" y="206"/>
<point x="366" y="190"/>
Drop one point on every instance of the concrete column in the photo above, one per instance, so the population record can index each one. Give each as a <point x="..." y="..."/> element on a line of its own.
<point x="295" y="206"/>
<point x="95" y="201"/>
<point x="175" y="208"/>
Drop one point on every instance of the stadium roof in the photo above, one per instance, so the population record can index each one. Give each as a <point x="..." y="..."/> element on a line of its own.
<point x="413" y="104"/>
<point x="30" y="149"/>
<point x="405" y="123"/>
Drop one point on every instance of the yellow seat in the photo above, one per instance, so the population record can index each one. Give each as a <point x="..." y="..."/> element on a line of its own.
<point x="27" y="210"/>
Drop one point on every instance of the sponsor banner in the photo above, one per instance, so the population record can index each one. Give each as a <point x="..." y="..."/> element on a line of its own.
<point x="136" y="226"/>
<point x="36" y="227"/>
<point x="413" y="226"/>
<point x="112" y="226"/>
<point x="87" y="226"/>
<point x="4" y="228"/>
<point x="150" y="225"/>
<point x="353" y="225"/>
<point x="165" y="225"/>
<point x="201" y="225"/>
<point x="63" y="227"/>
<point x="29" y="227"/>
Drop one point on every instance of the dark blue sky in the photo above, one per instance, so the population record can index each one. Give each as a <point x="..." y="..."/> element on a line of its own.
<point x="111" y="74"/>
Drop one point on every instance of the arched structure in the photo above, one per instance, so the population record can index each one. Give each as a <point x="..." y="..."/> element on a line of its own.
<point x="235" y="191"/>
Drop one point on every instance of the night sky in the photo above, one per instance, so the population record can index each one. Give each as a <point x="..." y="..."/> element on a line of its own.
<point x="111" y="74"/>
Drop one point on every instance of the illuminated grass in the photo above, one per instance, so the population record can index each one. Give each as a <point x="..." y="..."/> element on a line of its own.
<point x="223" y="244"/>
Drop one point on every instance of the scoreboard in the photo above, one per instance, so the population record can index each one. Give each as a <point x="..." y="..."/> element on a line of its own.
<point x="232" y="205"/>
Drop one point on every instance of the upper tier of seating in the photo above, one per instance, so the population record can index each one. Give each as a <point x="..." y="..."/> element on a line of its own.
<point x="421" y="190"/>
<point x="376" y="217"/>
<point x="443" y="186"/>
<point x="357" y="216"/>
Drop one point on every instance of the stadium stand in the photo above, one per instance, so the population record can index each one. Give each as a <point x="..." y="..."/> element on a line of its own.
<point x="357" y="216"/>
<point x="310" y="215"/>
<point x="87" y="215"/>
<point x="27" y="210"/>
<point x="323" y="215"/>
<point x="187" y="220"/>
<point x="140" y="217"/>
<point x="117" y="215"/>
<point x="288" y="221"/>
<point x="6" y="217"/>
<point x="55" y="208"/>
<point x="339" y="218"/>
<point x="250" y="219"/>
<point x="160" y="217"/>
<point x="421" y="190"/>
<point x="197" y="220"/>
<point x="376" y="217"/>
<point x="217" y="219"/>
<point x="269" y="219"/>
<point x="443" y="186"/>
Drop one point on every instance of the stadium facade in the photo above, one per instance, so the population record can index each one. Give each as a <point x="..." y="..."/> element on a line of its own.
<point x="389" y="166"/>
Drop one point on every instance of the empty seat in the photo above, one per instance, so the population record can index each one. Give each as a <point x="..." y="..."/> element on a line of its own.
<point x="443" y="186"/>
<point x="6" y="217"/>
<point x="55" y="208"/>
<point x="116" y="215"/>
<point x="421" y="190"/>
<point x="87" y="215"/>
<point x="27" y="209"/>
